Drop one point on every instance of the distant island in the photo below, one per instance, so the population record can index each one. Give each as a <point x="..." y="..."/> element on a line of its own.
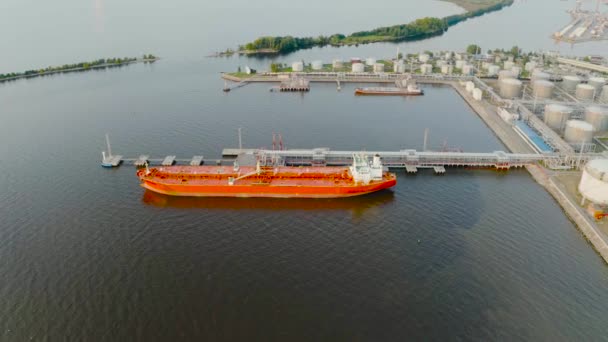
<point x="82" y="66"/>
<point x="416" y="30"/>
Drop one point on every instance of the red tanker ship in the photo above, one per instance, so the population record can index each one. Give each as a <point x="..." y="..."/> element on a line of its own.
<point x="361" y="178"/>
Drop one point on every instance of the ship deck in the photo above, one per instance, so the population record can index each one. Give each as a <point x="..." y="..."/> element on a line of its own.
<point x="279" y="176"/>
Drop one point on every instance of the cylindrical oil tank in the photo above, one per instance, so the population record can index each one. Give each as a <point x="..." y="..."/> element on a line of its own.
<point x="447" y="69"/>
<point x="530" y="66"/>
<point x="460" y="63"/>
<point x="594" y="181"/>
<point x="399" y="67"/>
<point x="470" y="86"/>
<point x="509" y="65"/>
<point x="423" y="58"/>
<point x="504" y="74"/>
<point x="570" y="82"/>
<point x="493" y="70"/>
<point x="543" y="89"/>
<point x="358" y="67"/>
<point x="605" y="93"/>
<point x="578" y="132"/>
<point x="477" y="94"/>
<point x="597" y="117"/>
<point x="539" y="75"/>
<point x="597" y="82"/>
<point x="370" y="61"/>
<point x="378" y="67"/>
<point x="297" y="66"/>
<point x="337" y="64"/>
<point x="510" y="88"/>
<point x="426" y="69"/>
<point x="317" y="65"/>
<point x="585" y="92"/>
<point x="556" y="116"/>
<point x="467" y="69"/>
<point x="448" y="55"/>
<point x="516" y="70"/>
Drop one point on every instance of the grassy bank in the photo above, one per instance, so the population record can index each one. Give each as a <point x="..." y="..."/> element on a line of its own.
<point x="416" y="30"/>
<point x="82" y="66"/>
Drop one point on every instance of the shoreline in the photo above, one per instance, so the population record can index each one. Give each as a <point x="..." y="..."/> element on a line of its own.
<point x="548" y="180"/>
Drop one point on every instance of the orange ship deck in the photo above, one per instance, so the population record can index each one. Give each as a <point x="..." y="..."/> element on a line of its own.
<point x="213" y="181"/>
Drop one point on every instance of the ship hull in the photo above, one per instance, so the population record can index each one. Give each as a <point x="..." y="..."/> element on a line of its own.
<point x="284" y="182"/>
<point x="268" y="191"/>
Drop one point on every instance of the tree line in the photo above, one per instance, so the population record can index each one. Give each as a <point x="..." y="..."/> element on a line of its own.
<point x="107" y="62"/>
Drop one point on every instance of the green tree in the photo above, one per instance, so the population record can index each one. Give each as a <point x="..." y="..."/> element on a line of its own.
<point x="515" y="51"/>
<point x="473" y="49"/>
<point x="275" y="67"/>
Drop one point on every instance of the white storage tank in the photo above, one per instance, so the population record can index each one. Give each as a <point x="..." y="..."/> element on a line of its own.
<point x="539" y="75"/>
<point x="460" y="63"/>
<point x="585" y="92"/>
<point x="297" y="66"/>
<point x="458" y="56"/>
<point x="504" y="74"/>
<point x="469" y="86"/>
<point x="399" y="67"/>
<point x="543" y="89"/>
<point x="358" y="67"/>
<point x="509" y="65"/>
<point x="337" y="64"/>
<point x="510" y="88"/>
<point x="423" y="58"/>
<point x="594" y="182"/>
<point x="597" y="117"/>
<point x="440" y="63"/>
<point x="467" y="69"/>
<point x="317" y="65"/>
<point x="370" y="61"/>
<point x="578" y="132"/>
<point x="605" y="93"/>
<point x="493" y="70"/>
<point x="570" y="82"/>
<point x="477" y="94"/>
<point x="556" y="116"/>
<point x="516" y="70"/>
<point x="426" y="69"/>
<point x="448" y="55"/>
<point x="530" y="66"/>
<point x="447" y="69"/>
<point x="597" y="82"/>
<point x="378" y="67"/>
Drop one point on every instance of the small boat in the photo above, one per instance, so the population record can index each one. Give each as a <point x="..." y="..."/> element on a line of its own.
<point x="389" y="91"/>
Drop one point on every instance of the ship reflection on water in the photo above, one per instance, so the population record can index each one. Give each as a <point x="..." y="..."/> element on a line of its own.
<point x="357" y="204"/>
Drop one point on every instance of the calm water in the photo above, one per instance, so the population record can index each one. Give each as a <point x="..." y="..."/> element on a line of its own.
<point x="86" y="254"/>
